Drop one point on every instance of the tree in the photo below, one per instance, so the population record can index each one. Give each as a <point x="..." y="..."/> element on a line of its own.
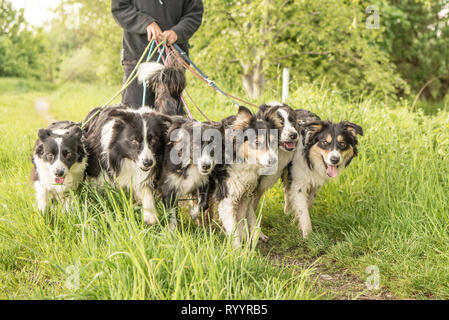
<point x="417" y="40"/>
<point x="21" y="49"/>
<point x="323" y="40"/>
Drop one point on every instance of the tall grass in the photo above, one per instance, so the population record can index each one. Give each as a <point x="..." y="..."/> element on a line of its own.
<point x="103" y="240"/>
<point x="389" y="208"/>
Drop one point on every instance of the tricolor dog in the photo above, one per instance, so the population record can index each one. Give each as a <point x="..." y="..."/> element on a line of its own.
<point x="251" y="152"/>
<point x="282" y="118"/>
<point x="189" y="159"/>
<point x="328" y="149"/>
<point x="59" y="159"/>
<point x="125" y="148"/>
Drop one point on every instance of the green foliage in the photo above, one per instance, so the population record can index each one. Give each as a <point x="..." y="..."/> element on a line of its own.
<point x="417" y="40"/>
<point x="22" y="51"/>
<point x="319" y="40"/>
<point x="79" y="67"/>
<point x="384" y="210"/>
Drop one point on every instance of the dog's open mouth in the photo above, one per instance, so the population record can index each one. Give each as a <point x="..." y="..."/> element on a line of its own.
<point x="289" y="146"/>
<point x="331" y="171"/>
<point x="59" y="180"/>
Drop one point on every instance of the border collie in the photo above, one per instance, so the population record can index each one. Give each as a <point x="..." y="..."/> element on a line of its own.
<point x="189" y="159"/>
<point x="127" y="144"/>
<point x="235" y="187"/>
<point x="59" y="159"/>
<point x="283" y="118"/>
<point x="328" y="149"/>
<point x="167" y="81"/>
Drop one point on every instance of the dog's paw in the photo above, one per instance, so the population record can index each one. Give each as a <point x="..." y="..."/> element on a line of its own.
<point x="306" y="231"/>
<point x="263" y="238"/>
<point x="149" y="217"/>
<point x="195" y="212"/>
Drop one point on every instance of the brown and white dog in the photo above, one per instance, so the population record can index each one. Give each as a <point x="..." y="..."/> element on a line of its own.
<point x="282" y="118"/>
<point x="328" y="149"/>
<point x="234" y="188"/>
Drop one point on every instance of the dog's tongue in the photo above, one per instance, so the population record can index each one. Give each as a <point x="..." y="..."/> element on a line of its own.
<point x="289" y="145"/>
<point x="59" y="180"/>
<point x="332" y="171"/>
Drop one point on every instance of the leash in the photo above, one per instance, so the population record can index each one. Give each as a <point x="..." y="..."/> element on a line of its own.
<point x="130" y="79"/>
<point x="202" y="76"/>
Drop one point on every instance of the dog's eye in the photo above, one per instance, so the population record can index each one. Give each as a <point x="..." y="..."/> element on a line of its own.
<point x="324" y="143"/>
<point x="342" y="145"/>
<point x="153" y="141"/>
<point x="135" y="142"/>
<point x="68" y="154"/>
<point x="50" y="157"/>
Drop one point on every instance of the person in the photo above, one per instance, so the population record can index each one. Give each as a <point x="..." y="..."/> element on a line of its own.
<point x="170" y="20"/>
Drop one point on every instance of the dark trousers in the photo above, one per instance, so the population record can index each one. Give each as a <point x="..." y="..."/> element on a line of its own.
<point x="132" y="96"/>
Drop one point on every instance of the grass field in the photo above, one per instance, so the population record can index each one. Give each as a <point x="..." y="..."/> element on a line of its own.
<point x="389" y="210"/>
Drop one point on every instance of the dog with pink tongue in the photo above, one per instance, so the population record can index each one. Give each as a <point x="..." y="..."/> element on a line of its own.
<point x="328" y="148"/>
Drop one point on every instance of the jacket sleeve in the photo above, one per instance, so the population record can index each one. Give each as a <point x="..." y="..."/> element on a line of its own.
<point x="129" y="17"/>
<point x="190" y="21"/>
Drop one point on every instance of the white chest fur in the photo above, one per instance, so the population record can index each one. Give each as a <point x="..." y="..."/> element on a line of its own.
<point x="267" y="181"/>
<point x="131" y="176"/>
<point x="192" y="180"/>
<point x="242" y="180"/>
<point x="303" y="176"/>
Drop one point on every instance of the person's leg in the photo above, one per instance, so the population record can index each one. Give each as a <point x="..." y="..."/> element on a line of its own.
<point x="132" y="96"/>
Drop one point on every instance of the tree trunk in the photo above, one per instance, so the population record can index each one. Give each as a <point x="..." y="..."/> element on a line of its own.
<point x="254" y="79"/>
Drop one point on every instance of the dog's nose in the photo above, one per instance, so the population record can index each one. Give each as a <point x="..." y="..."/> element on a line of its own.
<point x="335" y="159"/>
<point x="59" y="173"/>
<point x="148" y="162"/>
<point x="293" y="135"/>
<point x="205" y="166"/>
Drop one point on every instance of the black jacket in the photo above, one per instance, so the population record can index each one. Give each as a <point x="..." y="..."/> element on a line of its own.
<point x="182" y="16"/>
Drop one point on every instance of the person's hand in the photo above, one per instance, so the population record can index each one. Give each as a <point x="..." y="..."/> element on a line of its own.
<point x="170" y="36"/>
<point x="153" y="30"/>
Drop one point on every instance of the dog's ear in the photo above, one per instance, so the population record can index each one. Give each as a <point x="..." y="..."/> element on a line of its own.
<point x="75" y="132"/>
<point x="243" y="118"/>
<point x="167" y="121"/>
<point x="262" y="109"/>
<point x="352" y="128"/>
<point x="314" y="127"/>
<point x="43" y="134"/>
<point x="121" y="115"/>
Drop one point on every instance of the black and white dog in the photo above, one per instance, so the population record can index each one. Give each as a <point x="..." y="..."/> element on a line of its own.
<point x="189" y="159"/>
<point x="59" y="159"/>
<point x="234" y="188"/>
<point x="282" y="118"/>
<point x="127" y="144"/>
<point x="167" y="81"/>
<point x="328" y="149"/>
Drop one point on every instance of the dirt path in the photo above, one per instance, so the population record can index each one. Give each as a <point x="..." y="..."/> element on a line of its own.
<point x="339" y="285"/>
<point x="42" y="107"/>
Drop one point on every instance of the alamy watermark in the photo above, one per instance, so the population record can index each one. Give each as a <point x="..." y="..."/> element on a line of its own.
<point x="373" y="280"/>
<point x="373" y="19"/>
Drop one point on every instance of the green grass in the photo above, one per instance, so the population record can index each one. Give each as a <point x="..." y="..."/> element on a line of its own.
<point x="388" y="209"/>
